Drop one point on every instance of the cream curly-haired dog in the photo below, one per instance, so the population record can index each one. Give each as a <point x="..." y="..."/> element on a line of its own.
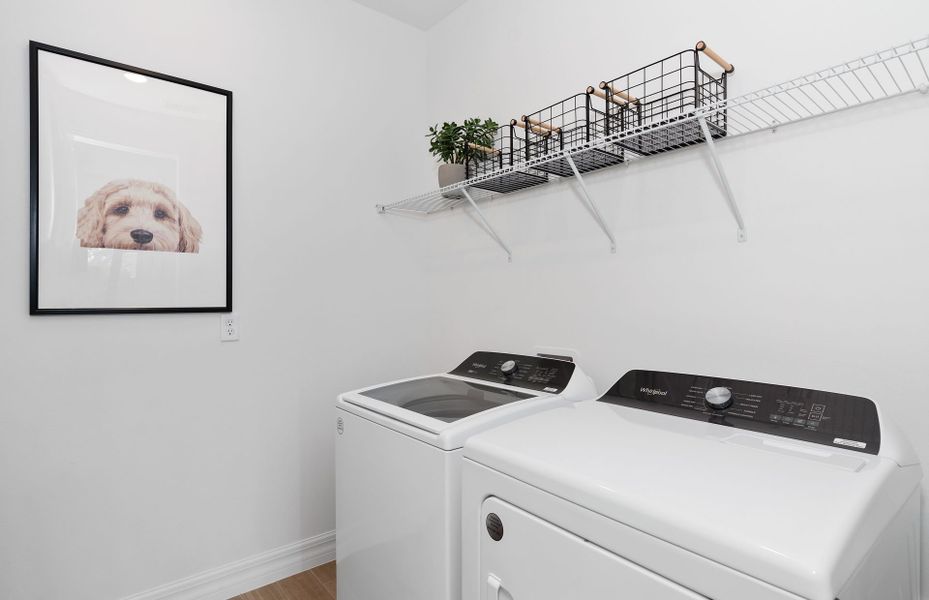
<point x="131" y="214"/>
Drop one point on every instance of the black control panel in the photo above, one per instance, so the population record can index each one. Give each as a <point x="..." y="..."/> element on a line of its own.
<point x="531" y="372"/>
<point x="837" y="420"/>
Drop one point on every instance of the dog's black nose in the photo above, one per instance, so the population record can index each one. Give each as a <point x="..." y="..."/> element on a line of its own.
<point x="141" y="236"/>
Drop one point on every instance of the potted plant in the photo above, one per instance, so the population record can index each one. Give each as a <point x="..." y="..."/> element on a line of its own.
<point x="457" y="145"/>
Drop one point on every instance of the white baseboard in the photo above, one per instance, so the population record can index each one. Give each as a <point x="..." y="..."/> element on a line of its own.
<point x="244" y="575"/>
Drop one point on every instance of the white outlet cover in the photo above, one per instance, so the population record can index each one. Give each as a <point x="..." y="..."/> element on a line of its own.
<point x="229" y="328"/>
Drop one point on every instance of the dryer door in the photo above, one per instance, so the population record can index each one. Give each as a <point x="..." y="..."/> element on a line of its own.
<point x="526" y="558"/>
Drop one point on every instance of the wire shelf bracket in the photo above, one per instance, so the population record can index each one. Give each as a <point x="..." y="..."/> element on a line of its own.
<point x="486" y="224"/>
<point x="723" y="180"/>
<point x="591" y="204"/>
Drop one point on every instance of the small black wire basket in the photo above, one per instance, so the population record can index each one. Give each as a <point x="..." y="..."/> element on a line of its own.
<point x="572" y="124"/>
<point x="653" y="106"/>
<point x="653" y="103"/>
<point x="507" y="151"/>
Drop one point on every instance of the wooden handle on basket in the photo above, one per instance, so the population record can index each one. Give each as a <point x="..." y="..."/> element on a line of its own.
<point x="621" y="94"/>
<point x="614" y="99"/>
<point x="484" y="149"/>
<point x="532" y="128"/>
<point x="719" y="60"/>
<point x="538" y="123"/>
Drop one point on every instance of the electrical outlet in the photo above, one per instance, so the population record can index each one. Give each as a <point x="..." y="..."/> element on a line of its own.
<point x="229" y="331"/>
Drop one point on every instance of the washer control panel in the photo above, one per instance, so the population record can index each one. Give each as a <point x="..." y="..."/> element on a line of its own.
<point x="531" y="372"/>
<point x="837" y="420"/>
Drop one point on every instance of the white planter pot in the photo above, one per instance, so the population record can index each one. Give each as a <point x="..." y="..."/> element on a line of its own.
<point x="450" y="174"/>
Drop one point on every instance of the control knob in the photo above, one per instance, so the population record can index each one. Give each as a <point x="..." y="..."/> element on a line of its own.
<point x="719" y="398"/>
<point x="509" y="367"/>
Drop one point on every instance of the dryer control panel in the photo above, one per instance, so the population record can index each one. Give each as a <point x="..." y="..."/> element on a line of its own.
<point x="531" y="372"/>
<point x="837" y="420"/>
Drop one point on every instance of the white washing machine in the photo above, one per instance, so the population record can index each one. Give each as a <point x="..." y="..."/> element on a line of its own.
<point x="398" y="467"/>
<point x="673" y="487"/>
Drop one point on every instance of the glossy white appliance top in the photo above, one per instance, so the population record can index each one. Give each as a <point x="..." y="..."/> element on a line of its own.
<point x="796" y="514"/>
<point x="488" y="389"/>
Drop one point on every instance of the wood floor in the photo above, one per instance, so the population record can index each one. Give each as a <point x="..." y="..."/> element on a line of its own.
<point x="316" y="584"/>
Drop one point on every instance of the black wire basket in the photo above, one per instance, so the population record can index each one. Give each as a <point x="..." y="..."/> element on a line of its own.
<point x="653" y="103"/>
<point x="507" y="151"/>
<point x="571" y="124"/>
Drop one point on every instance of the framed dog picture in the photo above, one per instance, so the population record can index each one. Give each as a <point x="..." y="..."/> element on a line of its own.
<point x="131" y="189"/>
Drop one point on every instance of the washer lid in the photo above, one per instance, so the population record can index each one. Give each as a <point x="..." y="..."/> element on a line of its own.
<point x="444" y="410"/>
<point x="444" y="398"/>
<point x="486" y="390"/>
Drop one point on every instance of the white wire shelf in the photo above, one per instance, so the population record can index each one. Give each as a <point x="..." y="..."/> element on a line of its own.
<point x="890" y="73"/>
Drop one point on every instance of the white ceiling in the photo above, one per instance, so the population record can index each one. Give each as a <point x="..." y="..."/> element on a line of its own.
<point x="418" y="13"/>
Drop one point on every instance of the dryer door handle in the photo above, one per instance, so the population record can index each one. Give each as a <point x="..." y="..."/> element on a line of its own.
<point x="493" y="587"/>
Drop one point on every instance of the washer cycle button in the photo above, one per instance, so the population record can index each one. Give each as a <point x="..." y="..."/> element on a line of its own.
<point x="509" y="367"/>
<point x="719" y="398"/>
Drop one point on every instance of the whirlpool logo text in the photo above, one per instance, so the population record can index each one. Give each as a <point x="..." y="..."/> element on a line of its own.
<point x="653" y="392"/>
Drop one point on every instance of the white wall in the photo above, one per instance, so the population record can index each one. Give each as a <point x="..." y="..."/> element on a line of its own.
<point x="136" y="450"/>
<point x="829" y="292"/>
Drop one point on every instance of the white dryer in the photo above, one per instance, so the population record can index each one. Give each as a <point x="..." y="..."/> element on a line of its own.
<point x="673" y="487"/>
<point x="398" y="467"/>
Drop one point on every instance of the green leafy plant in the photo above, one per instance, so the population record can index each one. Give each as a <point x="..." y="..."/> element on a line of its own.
<point x="452" y="142"/>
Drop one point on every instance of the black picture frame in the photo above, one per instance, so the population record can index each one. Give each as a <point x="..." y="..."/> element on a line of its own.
<point x="34" y="309"/>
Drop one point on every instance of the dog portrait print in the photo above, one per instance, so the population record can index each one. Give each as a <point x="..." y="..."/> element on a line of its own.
<point x="131" y="214"/>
